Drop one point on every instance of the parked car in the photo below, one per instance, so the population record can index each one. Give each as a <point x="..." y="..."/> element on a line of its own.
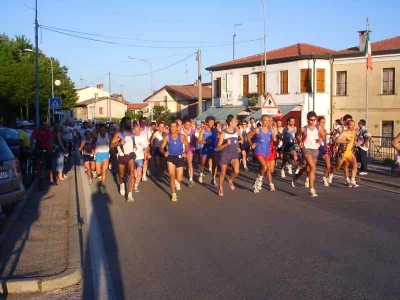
<point x="10" y="136"/>
<point x="11" y="188"/>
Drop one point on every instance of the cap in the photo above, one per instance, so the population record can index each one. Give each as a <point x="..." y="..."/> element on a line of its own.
<point x="25" y="123"/>
<point x="198" y="123"/>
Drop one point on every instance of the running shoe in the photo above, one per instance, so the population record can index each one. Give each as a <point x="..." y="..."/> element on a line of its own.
<point x="313" y="193"/>
<point x="330" y="178"/>
<point x="130" y="197"/>
<point x="90" y="181"/>
<point x="325" y="181"/>
<point x="191" y="183"/>
<point x="177" y="185"/>
<point x="272" y="187"/>
<point x="220" y="192"/>
<point x="283" y="173"/>
<point x="174" y="197"/>
<point x="201" y="178"/>
<point x="307" y="182"/>
<point x="246" y="169"/>
<point x="102" y="190"/>
<point x="144" y="178"/>
<point x="353" y="184"/>
<point x="136" y="190"/>
<point x="231" y="185"/>
<point x="122" y="189"/>
<point x="290" y="171"/>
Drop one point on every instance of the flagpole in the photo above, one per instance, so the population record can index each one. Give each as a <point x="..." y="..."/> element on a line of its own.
<point x="366" y="82"/>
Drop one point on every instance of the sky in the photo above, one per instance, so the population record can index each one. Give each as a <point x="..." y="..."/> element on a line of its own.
<point x="168" y="32"/>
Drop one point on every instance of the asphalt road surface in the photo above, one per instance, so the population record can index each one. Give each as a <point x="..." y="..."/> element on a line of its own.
<point x="343" y="244"/>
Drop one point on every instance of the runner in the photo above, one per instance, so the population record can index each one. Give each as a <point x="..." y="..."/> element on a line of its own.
<point x="396" y="145"/>
<point x="101" y="142"/>
<point x="266" y="135"/>
<point x="208" y="138"/>
<point x="309" y="138"/>
<point x="244" y="144"/>
<point x="142" y="151"/>
<point x="230" y="151"/>
<point x="146" y="133"/>
<point x="189" y="132"/>
<point x="175" y="157"/>
<point x="348" y="138"/>
<point x="197" y="156"/>
<point x="324" y="152"/>
<point x="124" y="140"/>
<point x="279" y="152"/>
<point x="88" y="152"/>
<point x="288" y="148"/>
<point x="155" y="144"/>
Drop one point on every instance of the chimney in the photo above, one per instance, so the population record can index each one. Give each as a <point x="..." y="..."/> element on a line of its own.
<point x="100" y="86"/>
<point x="96" y="96"/>
<point x="362" y="39"/>
<point x="120" y="98"/>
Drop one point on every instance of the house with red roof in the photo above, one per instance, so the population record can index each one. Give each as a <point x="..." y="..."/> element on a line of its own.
<point x="298" y="78"/>
<point x="349" y="86"/>
<point x="181" y="100"/>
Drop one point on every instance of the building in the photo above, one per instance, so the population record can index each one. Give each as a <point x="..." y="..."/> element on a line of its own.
<point x="96" y="103"/>
<point x="139" y="109"/>
<point x="181" y="100"/>
<point x="349" y="85"/>
<point x="298" y="77"/>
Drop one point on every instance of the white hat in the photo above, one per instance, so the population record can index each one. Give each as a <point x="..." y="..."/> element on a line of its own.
<point x="25" y="123"/>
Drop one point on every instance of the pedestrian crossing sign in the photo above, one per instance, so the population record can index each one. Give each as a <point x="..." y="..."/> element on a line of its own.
<point x="55" y="103"/>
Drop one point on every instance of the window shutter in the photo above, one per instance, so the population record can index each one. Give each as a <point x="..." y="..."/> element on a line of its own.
<point x="217" y="87"/>
<point x="284" y="82"/>
<point x="245" y="85"/>
<point x="320" y="80"/>
<point x="385" y="85"/>
<point x="391" y="81"/>
<point x="305" y="81"/>
<point x="260" y="83"/>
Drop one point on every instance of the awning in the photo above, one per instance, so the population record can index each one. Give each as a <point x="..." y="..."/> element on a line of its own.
<point x="285" y="108"/>
<point x="221" y="113"/>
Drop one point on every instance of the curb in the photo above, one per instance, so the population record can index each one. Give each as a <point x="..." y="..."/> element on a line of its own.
<point x="71" y="276"/>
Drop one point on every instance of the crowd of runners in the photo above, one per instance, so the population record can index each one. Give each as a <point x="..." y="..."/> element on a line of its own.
<point x="136" y="149"/>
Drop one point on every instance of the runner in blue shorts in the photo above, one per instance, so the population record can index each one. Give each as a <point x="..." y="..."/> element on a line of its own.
<point x="208" y="138"/>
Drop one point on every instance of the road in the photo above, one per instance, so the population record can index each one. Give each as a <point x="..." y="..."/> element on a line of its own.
<point x="343" y="244"/>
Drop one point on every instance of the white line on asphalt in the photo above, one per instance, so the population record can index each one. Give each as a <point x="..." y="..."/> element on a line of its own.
<point x="102" y="279"/>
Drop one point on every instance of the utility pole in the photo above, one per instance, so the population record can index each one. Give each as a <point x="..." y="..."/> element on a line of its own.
<point x="37" y="116"/>
<point x="199" y="84"/>
<point x="234" y="37"/>
<point x="265" y="49"/>
<point x="109" y="98"/>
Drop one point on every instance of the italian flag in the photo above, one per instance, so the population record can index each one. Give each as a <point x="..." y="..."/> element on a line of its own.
<point x="367" y="53"/>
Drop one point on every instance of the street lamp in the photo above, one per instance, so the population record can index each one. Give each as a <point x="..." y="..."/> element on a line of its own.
<point x="265" y="50"/>
<point x="151" y="74"/>
<point x="234" y="36"/>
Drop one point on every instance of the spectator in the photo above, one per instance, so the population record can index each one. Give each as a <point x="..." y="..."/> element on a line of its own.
<point x="24" y="142"/>
<point x="363" y="138"/>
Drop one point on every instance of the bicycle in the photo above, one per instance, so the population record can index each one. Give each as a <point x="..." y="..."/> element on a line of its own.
<point x="27" y="169"/>
<point x="42" y="167"/>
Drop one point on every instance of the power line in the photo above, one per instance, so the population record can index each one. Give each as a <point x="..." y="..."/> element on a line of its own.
<point x="93" y="81"/>
<point x="132" y="39"/>
<point x="162" y="69"/>
<point x="142" y="46"/>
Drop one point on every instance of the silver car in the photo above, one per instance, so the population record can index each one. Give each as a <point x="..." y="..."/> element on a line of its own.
<point x="11" y="188"/>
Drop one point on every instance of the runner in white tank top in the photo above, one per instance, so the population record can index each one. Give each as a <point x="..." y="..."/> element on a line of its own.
<point x="102" y="147"/>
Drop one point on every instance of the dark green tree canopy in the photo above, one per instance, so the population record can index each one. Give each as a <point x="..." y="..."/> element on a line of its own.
<point x="17" y="80"/>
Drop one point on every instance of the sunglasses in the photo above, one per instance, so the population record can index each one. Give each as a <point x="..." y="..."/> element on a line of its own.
<point x="312" y="120"/>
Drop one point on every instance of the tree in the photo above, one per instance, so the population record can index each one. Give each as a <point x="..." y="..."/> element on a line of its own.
<point x="133" y="116"/>
<point x="162" y="113"/>
<point x="17" y="80"/>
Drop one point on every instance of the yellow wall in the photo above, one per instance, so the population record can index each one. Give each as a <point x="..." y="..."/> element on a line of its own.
<point x="380" y="107"/>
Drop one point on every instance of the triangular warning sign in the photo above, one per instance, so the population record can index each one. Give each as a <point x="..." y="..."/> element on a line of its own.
<point x="269" y="102"/>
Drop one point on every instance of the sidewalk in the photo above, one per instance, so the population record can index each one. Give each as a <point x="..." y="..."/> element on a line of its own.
<point x="35" y="254"/>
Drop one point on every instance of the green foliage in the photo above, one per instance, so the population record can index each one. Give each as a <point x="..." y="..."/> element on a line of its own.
<point x="133" y="116"/>
<point x="252" y="102"/>
<point x="162" y="113"/>
<point x="17" y="80"/>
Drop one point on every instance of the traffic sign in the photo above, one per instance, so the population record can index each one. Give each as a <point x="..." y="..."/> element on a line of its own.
<point x="269" y="106"/>
<point x="55" y="103"/>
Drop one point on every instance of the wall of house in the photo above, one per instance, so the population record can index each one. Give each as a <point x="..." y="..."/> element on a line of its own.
<point x="380" y="107"/>
<point x="306" y="100"/>
<point x="90" y="92"/>
<point x="118" y="109"/>
<point x="81" y="113"/>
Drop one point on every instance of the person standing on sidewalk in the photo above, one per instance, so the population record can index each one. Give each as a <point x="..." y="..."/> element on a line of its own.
<point x="363" y="138"/>
<point x="101" y="141"/>
<point x="175" y="157"/>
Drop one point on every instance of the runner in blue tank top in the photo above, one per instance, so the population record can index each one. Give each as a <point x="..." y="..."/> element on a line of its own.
<point x="267" y="134"/>
<point x="175" y="157"/>
<point x="229" y="147"/>
<point x="208" y="138"/>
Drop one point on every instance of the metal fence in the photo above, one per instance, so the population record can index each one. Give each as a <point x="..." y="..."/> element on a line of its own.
<point x="381" y="151"/>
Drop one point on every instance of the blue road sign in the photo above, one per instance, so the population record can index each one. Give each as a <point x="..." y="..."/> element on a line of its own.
<point x="55" y="103"/>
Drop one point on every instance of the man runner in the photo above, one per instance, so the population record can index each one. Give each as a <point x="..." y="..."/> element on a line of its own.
<point x="175" y="157"/>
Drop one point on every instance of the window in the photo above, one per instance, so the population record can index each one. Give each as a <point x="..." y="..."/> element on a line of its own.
<point x="157" y="103"/>
<point x="101" y="110"/>
<point x="260" y="83"/>
<point x="305" y="81"/>
<point x="320" y="80"/>
<point x="387" y="133"/>
<point x="388" y="81"/>
<point x="284" y="82"/>
<point x="217" y="87"/>
<point x="245" y="87"/>
<point x="341" y="83"/>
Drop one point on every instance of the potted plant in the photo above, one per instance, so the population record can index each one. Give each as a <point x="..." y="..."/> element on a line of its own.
<point x="252" y="99"/>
